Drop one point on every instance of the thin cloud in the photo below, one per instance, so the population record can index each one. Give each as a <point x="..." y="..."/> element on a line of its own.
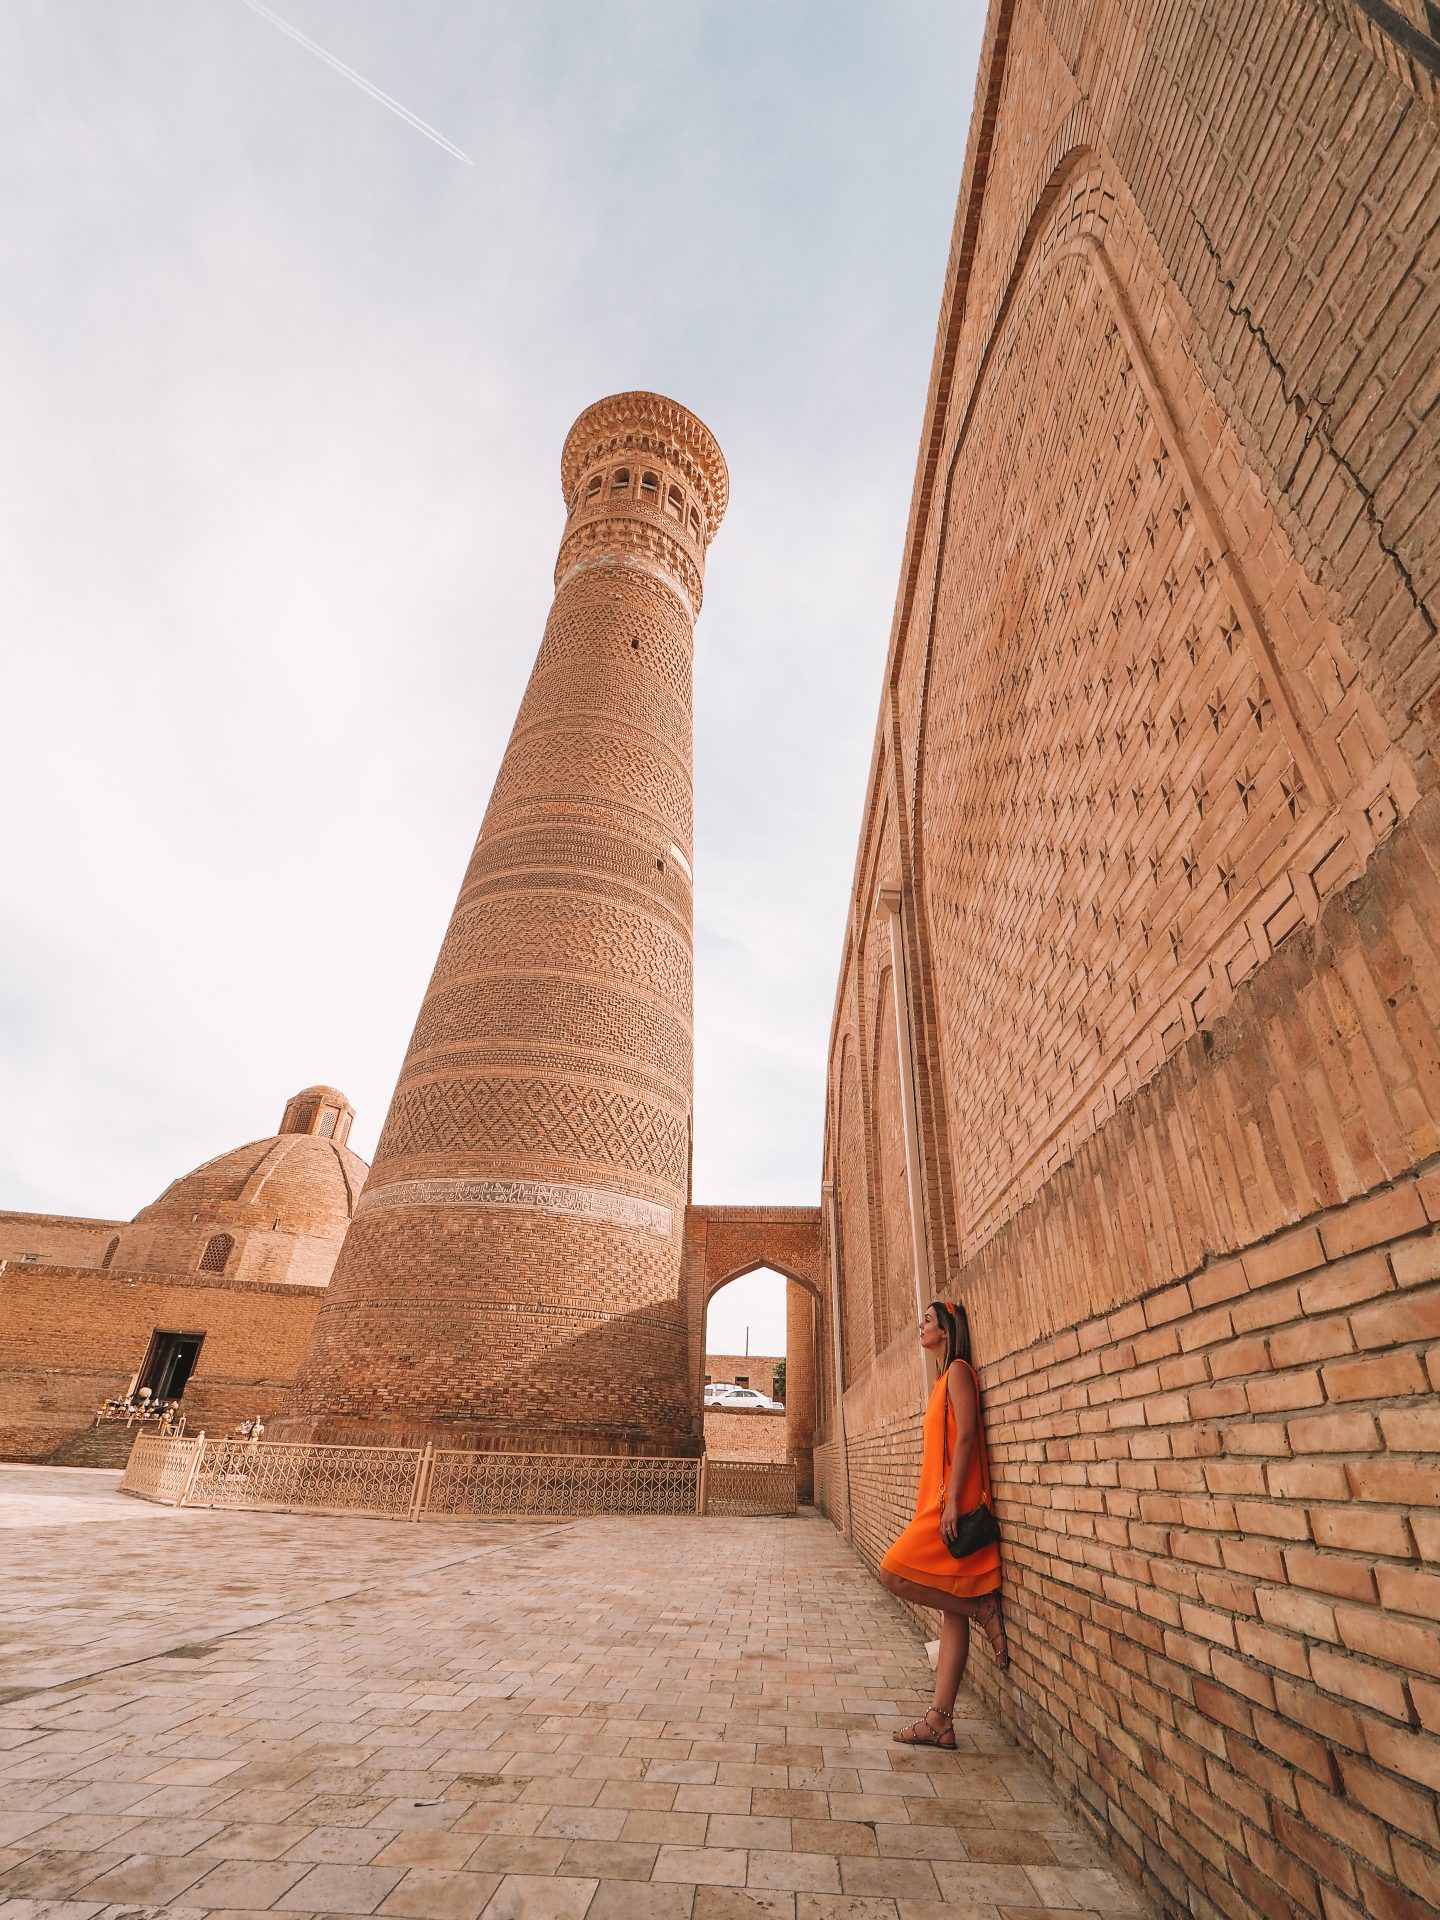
<point x="365" y="86"/>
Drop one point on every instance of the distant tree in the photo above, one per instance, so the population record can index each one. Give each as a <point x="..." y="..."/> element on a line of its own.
<point x="777" y="1382"/>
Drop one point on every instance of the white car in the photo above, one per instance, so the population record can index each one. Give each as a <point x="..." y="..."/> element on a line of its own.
<point x="740" y="1399"/>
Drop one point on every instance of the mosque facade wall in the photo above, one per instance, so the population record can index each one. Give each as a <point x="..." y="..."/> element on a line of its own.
<point x="1137" y="1035"/>
<point x="72" y="1337"/>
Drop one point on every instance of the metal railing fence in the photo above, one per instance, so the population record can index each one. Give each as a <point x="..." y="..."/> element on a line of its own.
<point x="415" y="1483"/>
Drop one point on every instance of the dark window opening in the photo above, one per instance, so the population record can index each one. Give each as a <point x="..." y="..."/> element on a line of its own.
<point x="621" y="480"/>
<point x="169" y="1363"/>
<point x="650" y="484"/>
<point x="742" y="1379"/>
<point x="694" y="523"/>
<point x="218" y="1250"/>
<point x="675" y="503"/>
<point x="594" y="487"/>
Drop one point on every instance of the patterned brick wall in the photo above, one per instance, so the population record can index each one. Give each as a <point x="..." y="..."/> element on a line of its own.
<point x="513" y="1275"/>
<point x="1155" y="784"/>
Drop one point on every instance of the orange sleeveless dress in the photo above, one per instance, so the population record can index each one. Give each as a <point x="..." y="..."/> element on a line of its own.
<point x="920" y="1554"/>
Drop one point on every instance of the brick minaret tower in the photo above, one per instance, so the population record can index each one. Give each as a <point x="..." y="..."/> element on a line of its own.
<point x="512" y="1275"/>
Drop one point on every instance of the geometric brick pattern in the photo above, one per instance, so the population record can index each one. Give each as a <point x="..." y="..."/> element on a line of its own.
<point x="539" y="1133"/>
<point x="583" y="1011"/>
<point x="650" y="634"/>
<point x="604" y="936"/>
<point x="1156" y="785"/>
<point x="1114" y="796"/>
<point x="569" y="764"/>
<point x="597" y="1125"/>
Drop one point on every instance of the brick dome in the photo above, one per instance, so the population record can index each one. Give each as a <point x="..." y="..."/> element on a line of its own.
<point x="274" y="1209"/>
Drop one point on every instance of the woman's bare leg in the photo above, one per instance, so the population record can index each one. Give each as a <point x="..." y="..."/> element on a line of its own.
<point x="935" y="1597"/>
<point x="950" y="1666"/>
<point x="985" y="1609"/>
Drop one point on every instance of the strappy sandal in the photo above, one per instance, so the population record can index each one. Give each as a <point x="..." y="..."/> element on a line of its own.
<point x="924" y="1733"/>
<point x="993" y="1621"/>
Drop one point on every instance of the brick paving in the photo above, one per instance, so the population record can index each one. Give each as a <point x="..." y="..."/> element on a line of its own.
<point x="608" y="1719"/>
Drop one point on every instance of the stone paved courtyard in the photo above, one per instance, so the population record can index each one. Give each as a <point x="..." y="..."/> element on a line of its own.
<point x="614" y="1719"/>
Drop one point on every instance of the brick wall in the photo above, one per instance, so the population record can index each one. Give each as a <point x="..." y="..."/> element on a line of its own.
<point x="55" y="1239"/>
<point x="754" y="1435"/>
<point x="756" y="1369"/>
<point x="70" y="1338"/>
<point x="1223" y="1565"/>
<point x="1155" y="783"/>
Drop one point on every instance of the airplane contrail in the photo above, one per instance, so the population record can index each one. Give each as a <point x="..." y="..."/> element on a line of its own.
<point x="349" y="73"/>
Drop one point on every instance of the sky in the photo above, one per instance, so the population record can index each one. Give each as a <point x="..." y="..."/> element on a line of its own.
<point x="284" y="386"/>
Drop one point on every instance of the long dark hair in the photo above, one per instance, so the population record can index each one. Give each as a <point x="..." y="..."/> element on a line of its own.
<point x="955" y="1323"/>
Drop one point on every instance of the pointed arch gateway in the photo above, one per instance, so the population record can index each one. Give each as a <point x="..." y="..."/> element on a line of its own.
<point x="724" y="1244"/>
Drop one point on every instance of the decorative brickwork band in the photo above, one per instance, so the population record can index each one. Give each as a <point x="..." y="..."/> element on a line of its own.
<point x="512" y="1279"/>
<point x="535" y="1196"/>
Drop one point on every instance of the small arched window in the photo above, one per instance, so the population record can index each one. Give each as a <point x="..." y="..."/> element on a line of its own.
<point x="218" y="1249"/>
<point x="621" y="480"/>
<point x="650" y="486"/>
<point x="111" y="1251"/>
<point x="675" y="503"/>
<point x="597" y="481"/>
<point x="694" y="523"/>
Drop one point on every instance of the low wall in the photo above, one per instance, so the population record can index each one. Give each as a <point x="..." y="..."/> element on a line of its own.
<point x="752" y="1435"/>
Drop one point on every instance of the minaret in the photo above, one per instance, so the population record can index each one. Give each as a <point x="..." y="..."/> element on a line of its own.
<point x="512" y="1275"/>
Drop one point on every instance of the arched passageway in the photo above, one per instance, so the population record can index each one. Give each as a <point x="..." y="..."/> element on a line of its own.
<point x="723" y="1244"/>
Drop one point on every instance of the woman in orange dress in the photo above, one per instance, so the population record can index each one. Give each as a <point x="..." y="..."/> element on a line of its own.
<point x="954" y="1479"/>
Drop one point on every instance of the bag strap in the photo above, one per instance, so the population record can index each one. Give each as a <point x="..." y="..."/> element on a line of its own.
<point x="979" y="1441"/>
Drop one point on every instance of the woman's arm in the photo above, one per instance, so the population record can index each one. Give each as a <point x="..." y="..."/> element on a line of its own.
<point x="960" y="1388"/>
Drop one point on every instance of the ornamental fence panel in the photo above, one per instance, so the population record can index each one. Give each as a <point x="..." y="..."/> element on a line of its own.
<point x="159" y="1468"/>
<point x="286" y="1475"/>
<point x="556" y="1485"/>
<point x="413" y="1483"/>
<point x="751" y="1489"/>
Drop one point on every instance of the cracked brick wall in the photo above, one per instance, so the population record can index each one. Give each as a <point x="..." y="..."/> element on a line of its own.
<point x="1156" y="787"/>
